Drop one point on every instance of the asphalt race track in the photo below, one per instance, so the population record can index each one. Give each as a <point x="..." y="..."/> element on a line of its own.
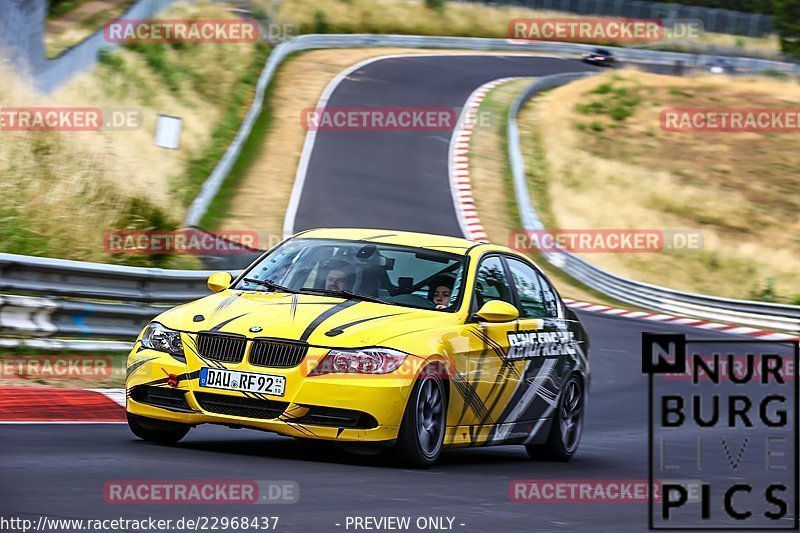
<point x="401" y="179"/>
<point x="401" y="176"/>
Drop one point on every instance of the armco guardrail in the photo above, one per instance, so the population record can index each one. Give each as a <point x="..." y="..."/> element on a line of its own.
<point x="20" y="274"/>
<point x="59" y="298"/>
<point x="310" y="42"/>
<point x="755" y="314"/>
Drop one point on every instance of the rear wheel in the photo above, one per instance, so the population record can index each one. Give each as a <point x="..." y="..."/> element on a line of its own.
<point x="566" y="427"/>
<point x="419" y="442"/>
<point x="153" y="430"/>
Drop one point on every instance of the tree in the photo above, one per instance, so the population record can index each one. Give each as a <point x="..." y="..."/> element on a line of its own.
<point x="436" y="5"/>
<point x="787" y="22"/>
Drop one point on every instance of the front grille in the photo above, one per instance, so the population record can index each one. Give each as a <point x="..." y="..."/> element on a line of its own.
<point x="224" y="348"/>
<point x="166" y="398"/>
<point x="277" y="354"/>
<point x="342" y="418"/>
<point x="240" y="406"/>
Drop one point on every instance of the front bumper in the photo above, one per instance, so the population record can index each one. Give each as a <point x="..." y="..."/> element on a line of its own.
<point x="318" y="407"/>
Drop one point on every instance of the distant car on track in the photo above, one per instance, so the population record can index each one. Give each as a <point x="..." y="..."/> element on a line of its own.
<point x="408" y="341"/>
<point x="719" y="65"/>
<point x="599" y="56"/>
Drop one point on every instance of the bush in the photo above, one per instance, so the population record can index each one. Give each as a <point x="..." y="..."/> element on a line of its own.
<point x="321" y="24"/>
<point x="603" y="88"/>
<point x="617" y="102"/>
<point x="621" y="112"/>
<point x="111" y="60"/>
<point x="139" y="214"/>
<point x="597" y="126"/>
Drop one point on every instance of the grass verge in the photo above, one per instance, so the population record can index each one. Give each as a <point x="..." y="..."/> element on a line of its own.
<point x="493" y="187"/>
<point x="604" y="162"/>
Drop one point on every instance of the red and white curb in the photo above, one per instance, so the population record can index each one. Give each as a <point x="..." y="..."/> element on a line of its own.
<point x="460" y="183"/>
<point x="46" y="405"/>
<point x="680" y="321"/>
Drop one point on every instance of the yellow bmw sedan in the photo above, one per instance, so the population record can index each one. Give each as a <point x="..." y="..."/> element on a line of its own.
<point x="408" y="341"/>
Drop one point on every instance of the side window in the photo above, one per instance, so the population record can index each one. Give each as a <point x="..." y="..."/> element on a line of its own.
<point x="536" y="297"/>
<point x="551" y="303"/>
<point x="491" y="283"/>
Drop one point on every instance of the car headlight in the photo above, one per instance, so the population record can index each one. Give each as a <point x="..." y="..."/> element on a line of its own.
<point x="364" y="361"/>
<point x="158" y="337"/>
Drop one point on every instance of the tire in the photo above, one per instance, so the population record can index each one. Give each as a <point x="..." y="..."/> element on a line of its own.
<point x="566" y="427"/>
<point x="421" y="435"/>
<point x="153" y="430"/>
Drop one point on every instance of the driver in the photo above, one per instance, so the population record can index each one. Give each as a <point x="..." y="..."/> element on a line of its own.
<point x="341" y="276"/>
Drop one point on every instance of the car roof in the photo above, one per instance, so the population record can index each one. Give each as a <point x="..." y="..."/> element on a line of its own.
<point x="403" y="238"/>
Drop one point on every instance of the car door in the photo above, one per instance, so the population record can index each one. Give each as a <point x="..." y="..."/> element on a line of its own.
<point x="545" y="347"/>
<point x="485" y="379"/>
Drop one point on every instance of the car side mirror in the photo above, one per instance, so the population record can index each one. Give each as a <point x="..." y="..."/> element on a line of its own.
<point x="497" y="311"/>
<point x="219" y="281"/>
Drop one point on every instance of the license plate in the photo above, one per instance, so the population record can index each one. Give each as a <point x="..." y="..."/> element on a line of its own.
<point x="214" y="378"/>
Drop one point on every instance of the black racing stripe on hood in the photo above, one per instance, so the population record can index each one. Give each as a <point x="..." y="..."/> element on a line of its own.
<point x="225" y="303"/>
<point x="295" y="298"/>
<point x="324" y="316"/>
<point x="226" y="322"/>
<point x="338" y="330"/>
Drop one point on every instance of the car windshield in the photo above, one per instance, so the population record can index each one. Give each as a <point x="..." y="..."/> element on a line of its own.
<point x="399" y="275"/>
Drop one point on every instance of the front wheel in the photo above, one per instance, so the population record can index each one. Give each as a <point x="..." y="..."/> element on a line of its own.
<point x="566" y="427"/>
<point x="153" y="430"/>
<point x="419" y="442"/>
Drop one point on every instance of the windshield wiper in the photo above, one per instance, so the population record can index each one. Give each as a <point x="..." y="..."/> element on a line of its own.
<point x="270" y="285"/>
<point x="350" y="295"/>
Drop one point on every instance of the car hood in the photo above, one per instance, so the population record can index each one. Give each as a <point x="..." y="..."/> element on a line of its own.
<point x="318" y="320"/>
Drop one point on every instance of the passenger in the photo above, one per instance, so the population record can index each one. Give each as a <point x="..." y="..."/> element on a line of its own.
<point x="341" y="276"/>
<point x="442" y="288"/>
